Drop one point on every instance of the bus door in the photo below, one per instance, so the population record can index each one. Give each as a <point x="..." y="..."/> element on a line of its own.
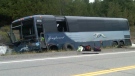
<point x="40" y="30"/>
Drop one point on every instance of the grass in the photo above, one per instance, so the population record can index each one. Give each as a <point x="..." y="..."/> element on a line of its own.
<point x="132" y="32"/>
<point x="3" y="34"/>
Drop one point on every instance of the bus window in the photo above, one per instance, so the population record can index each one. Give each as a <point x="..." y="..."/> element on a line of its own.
<point x="16" y="31"/>
<point x="28" y="31"/>
<point x="61" y="26"/>
<point x="39" y="29"/>
<point x="17" y="34"/>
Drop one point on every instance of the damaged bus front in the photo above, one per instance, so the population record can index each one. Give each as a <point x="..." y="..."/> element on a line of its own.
<point x="26" y="34"/>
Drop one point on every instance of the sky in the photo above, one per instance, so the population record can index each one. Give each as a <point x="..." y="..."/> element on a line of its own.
<point x="91" y="1"/>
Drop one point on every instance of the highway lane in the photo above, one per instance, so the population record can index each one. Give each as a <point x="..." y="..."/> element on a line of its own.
<point x="71" y="65"/>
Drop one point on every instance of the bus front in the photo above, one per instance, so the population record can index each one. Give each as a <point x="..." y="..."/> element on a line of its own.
<point x="24" y="35"/>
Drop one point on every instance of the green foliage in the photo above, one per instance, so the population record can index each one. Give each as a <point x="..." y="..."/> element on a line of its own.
<point x="3" y="34"/>
<point x="5" y="28"/>
<point x="14" y="9"/>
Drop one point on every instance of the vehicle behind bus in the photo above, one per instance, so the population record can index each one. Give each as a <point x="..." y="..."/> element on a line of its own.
<point x="51" y="32"/>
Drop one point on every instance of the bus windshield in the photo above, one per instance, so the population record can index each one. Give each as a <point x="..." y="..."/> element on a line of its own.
<point x="23" y="29"/>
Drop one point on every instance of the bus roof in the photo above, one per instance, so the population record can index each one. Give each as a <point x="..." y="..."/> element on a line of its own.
<point x="28" y="17"/>
<point x="94" y="18"/>
<point x="59" y="18"/>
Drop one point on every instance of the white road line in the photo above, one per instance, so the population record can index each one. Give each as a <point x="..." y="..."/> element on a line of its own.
<point x="66" y="57"/>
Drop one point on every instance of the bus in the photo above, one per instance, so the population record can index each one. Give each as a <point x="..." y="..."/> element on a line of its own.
<point x="68" y="32"/>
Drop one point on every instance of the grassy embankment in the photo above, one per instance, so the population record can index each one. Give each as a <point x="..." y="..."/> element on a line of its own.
<point x="132" y="32"/>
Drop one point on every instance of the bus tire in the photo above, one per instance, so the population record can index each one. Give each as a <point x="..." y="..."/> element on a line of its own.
<point x="115" y="44"/>
<point x="68" y="46"/>
<point x="121" y="44"/>
<point x="53" y="47"/>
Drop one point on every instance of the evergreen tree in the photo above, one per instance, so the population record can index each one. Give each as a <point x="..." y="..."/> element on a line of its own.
<point x="14" y="9"/>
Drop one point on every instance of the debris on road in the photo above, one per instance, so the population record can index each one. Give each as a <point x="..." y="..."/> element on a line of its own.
<point x="5" y="50"/>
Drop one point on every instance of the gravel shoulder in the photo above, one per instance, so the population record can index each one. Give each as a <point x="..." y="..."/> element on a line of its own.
<point x="59" y="54"/>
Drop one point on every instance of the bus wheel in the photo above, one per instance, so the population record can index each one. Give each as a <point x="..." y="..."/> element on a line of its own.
<point x="68" y="46"/>
<point x="115" y="44"/>
<point x="53" y="47"/>
<point x="121" y="44"/>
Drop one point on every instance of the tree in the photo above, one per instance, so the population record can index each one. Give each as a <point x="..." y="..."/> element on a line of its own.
<point x="14" y="9"/>
<point x="114" y="10"/>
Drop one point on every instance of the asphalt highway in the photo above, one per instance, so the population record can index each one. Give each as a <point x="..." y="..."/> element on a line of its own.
<point x="110" y="62"/>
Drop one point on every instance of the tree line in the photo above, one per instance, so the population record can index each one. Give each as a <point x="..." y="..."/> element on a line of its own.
<point x="14" y="9"/>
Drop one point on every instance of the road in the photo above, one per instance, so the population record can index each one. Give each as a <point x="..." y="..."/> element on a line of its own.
<point x="102" y="64"/>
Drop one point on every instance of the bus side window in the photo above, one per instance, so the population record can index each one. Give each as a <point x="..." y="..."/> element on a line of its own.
<point x="62" y="26"/>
